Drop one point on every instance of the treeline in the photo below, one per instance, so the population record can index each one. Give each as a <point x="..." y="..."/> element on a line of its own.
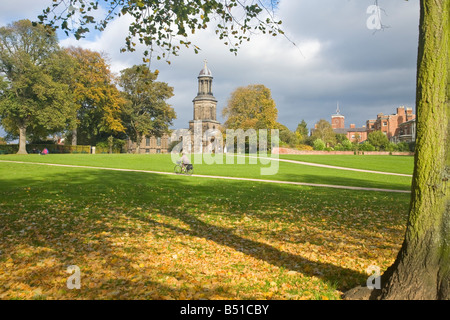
<point x="71" y="92"/>
<point x="324" y="138"/>
<point x="252" y="107"/>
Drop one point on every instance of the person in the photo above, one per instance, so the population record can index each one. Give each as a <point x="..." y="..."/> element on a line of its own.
<point x="185" y="162"/>
<point x="45" y="151"/>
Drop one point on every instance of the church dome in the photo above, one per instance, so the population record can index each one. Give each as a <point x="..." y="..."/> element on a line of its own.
<point x="205" y="71"/>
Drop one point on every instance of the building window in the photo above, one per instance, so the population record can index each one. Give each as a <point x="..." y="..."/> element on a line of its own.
<point x="158" y="150"/>
<point x="147" y="141"/>
<point x="147" y="150"/>
<point x="384" y="124"/>
<point x="158" y="141"/>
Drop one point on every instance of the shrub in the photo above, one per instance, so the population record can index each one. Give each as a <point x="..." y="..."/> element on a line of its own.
<point x="304" y="147"/>
<point x="318" y="144"/>
<point x="366" y="146"/>
<point x="403" y="147"/>
<point x="347" y="145"/>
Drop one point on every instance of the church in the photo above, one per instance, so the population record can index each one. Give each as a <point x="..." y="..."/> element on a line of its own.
<point x="205" y="114"/>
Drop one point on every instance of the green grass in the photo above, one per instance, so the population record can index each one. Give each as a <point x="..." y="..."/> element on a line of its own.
<point x="148" y="236"/>
<point x="395" y="164"/>
<point x="286" y="172"/>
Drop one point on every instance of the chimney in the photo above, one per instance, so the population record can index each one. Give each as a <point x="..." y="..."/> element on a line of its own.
<point x="352" y="126"/>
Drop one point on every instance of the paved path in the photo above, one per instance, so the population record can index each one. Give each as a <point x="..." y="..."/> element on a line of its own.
<point x="215" y="177"/>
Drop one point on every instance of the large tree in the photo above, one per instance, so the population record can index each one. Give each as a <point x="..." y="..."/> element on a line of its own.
<point x="34" y="97"/>
<point x="251" y="107"/>
<point x="147" y="112"/>
<point x="98" y="102"/>
<point x="422" y="267"/>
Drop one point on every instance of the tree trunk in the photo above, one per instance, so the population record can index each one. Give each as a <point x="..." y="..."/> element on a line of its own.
<point x="22" y="140"/>
<point x="138" y="144"/>
<point x="74" y="136"/>
<point x="422" y="267"/>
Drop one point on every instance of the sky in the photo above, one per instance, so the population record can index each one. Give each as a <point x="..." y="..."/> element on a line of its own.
<point x="331" y="57"/>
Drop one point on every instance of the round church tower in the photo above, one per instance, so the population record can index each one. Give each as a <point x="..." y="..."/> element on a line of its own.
<point x="205" y="105"/>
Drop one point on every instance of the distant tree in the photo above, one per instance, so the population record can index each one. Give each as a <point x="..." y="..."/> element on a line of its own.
<point x="378" y="139"/>
<point x="251" y="107"/>
<point x="357" y="139"/>
<point x="287" y="136"/>
<point x="324" y="131"/>
<point x="147" y="112"/>
<point x="35" y="96"/>
<point x="99" y="104"/>
<point x="302" y="130"/>
<point x="340" y="138"/>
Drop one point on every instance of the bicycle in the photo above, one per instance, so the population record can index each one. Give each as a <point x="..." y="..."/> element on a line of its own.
<point x="184" y="169"/>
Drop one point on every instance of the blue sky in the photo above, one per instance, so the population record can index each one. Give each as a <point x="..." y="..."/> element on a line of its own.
<point x="336" y="58"/>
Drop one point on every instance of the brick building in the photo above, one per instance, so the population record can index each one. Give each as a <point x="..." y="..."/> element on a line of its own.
<point x="390" y="124"/>
<point x="406" y="132"/>
<point x="353" y="134"/>
<point x="337" y="119"/>
<point x="398" y="127"/>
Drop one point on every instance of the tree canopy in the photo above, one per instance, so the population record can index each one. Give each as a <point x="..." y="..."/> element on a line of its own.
<point x="324" y="131"/>
<point x="251" y="107"/>
<point x="98" y="102"/>
<point x="147" y="112"/>
<point x="378" y="139"/>
<point x="34" y="96"/>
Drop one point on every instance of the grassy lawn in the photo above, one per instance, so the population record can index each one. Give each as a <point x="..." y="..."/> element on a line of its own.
<point x="148" y="236"/>
<point x="395" y="164"/>
<point x="285" y="172"/>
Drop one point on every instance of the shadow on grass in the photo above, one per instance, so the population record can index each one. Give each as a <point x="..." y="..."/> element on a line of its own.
<point x="56" y="202"/>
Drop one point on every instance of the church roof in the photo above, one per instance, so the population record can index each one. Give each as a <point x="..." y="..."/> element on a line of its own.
<point x="205" y="71"/>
